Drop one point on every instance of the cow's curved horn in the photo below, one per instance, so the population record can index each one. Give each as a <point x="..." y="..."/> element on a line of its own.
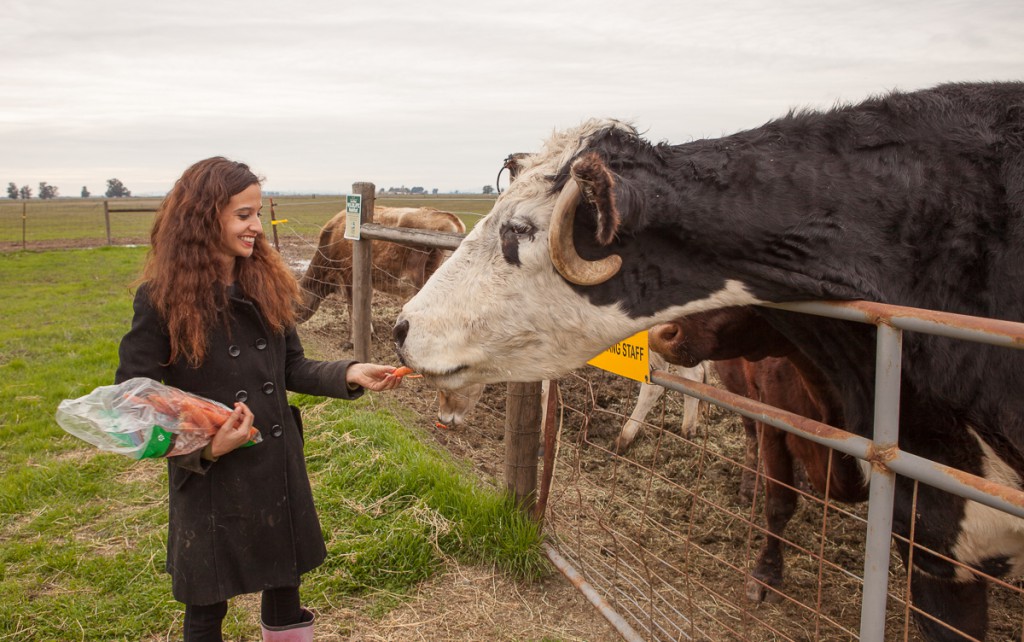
<point x="569" y="264"/>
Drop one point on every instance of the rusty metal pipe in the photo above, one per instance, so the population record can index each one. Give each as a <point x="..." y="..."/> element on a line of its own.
<point x="618" y="623"/>
<point x="1008" y="334"/>
<point x="966" y="485"/>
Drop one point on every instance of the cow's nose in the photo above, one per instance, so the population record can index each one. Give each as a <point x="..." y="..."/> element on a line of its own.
<point x="400" y="332"/>
<point x="666" y="333"/>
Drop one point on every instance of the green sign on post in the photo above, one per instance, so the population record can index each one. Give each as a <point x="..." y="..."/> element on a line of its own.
<point x="353" y="209"/>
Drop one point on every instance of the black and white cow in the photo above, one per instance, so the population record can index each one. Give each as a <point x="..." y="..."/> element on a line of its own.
<point x="914" y="199"/>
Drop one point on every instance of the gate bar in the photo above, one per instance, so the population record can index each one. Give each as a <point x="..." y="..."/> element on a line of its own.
<point x="882" y="486"/>
<point x="958" y="482"/>
<point x="1008" y="334"/>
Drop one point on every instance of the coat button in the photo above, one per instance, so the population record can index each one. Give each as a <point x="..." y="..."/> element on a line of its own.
<point x="234" y="351"/>
<point x="241" y="395"/>
<point x="276" y="430"/>
<point x="268" y="388"/>
<point x="261" y="344"/>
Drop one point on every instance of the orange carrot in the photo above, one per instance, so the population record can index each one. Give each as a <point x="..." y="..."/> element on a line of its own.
<point x="405" y="371"/>
<point x="194" y="414"/>
<point x="156" y="403"/>
<point x="187" y="427"/>
<point x="213" y="413"/>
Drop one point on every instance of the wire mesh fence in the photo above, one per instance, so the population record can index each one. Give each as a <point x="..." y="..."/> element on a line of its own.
<point x="665" y="535"/>
<point x="90" y="222"/>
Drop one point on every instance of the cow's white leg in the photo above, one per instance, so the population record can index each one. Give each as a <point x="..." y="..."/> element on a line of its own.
<point x="649" y="395"/>
<point x="691" y="405"/>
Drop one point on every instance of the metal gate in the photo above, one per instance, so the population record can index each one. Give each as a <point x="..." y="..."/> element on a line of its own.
<point x="640" y="556"/>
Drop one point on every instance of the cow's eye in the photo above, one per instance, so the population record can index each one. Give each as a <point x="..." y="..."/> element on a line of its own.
<point x="522" y="229"/>
<point x="511" y="234"/>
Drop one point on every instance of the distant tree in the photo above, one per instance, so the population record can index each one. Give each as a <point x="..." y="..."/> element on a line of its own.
<point x="25" y="192"/>
<point x="47" y="191"/>
<point x="116" y="189"/>
<point x="488" y="189"/>
<point x="434" y="191"/>
<point x="418" y="190"/>
<point x="12" y="190"/>
<point x="85" y="192"/>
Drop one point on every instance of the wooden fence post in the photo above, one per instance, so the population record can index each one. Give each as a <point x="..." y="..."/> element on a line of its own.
<point x="106" y="219"/>
<point x="24" y="223"/>
<point x="522" y="439"/>
<point x="273" y="224"/>
<point x="362" y="277"/>
<point x="522" y="422"/>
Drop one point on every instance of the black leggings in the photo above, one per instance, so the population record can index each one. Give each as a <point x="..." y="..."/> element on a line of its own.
<point x="279" y="607"/>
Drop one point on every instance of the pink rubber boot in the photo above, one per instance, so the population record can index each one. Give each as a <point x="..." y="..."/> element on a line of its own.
<point x="301" y="631"/>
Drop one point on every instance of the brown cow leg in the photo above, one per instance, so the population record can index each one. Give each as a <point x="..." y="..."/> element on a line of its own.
<point x="780" y="504"/>
<point x="748" y="476"/>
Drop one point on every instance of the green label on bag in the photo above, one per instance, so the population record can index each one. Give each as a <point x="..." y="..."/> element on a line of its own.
<point x="160" y="441"/>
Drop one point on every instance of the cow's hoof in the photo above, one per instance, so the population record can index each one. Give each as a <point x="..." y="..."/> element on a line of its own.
<point x="620" y="446"/>
<point x="758" y="592"/>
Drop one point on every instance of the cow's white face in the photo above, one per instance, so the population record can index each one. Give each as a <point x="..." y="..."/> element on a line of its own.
<point x="482" y="319"/>
<point x="498" y="310"/>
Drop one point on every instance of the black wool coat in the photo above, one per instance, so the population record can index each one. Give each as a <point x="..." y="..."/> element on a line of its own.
<point x="245" y="522"/>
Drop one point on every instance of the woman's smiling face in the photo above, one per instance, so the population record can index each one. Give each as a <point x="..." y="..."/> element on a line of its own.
<point x="240" y="223"/>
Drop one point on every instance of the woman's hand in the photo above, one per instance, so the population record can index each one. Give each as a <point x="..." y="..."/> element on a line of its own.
<point x="234" y="432"/>
<point x="372" y="376"/>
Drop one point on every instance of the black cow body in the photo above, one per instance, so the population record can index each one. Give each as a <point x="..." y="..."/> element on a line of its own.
<point x="913" y="199"/>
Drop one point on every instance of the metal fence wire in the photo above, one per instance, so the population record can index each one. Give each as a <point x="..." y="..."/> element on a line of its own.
<point x="663" y="534"/>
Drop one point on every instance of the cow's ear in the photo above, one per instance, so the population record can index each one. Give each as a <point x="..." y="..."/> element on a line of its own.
<point x="597" y="184"/>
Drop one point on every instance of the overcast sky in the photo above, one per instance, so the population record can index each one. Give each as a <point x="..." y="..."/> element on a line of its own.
<point x="318" y="95"/>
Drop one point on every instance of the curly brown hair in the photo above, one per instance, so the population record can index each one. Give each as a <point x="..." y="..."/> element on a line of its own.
<point x="182" y="270"/>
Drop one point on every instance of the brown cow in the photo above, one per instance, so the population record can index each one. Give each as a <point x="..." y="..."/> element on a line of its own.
<point x="397" y="268"/>
<point x="754" y="360"/>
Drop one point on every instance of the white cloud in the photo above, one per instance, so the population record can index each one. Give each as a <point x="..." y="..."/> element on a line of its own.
<point x="321" y="94"/>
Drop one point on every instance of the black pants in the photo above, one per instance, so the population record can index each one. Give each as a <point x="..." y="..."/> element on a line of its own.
<point x="278" y="607"/>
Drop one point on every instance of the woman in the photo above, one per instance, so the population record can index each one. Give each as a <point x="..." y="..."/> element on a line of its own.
<point x="215" y="316"/>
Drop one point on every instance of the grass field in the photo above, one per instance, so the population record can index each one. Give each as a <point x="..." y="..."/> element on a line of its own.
<point x="82" y="533"/>
<point x="82" y="222"/>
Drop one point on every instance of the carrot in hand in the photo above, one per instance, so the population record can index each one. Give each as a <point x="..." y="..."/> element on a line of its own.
<point x="195" y="414"/>
<point x="405" y="371"/>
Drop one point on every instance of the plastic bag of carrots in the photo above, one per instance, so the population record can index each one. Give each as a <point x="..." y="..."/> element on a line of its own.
<point x="143" y="418"/>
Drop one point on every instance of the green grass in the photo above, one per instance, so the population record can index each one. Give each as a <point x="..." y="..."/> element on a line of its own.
<point x="82" y="220"/>
<point x="82" y="533"/>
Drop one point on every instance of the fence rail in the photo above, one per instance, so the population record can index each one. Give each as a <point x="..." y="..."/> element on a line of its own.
<point x="91" y="222"/>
